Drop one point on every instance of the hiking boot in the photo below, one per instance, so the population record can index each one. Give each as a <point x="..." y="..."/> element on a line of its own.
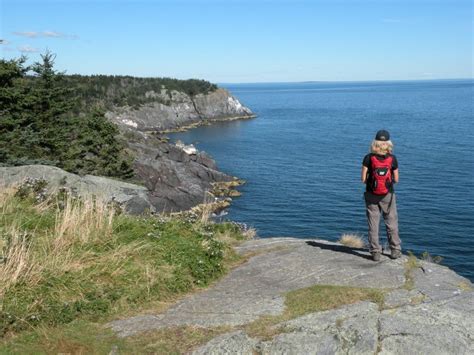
<point x="376" y="256"/>
<point x="395" y="254"/>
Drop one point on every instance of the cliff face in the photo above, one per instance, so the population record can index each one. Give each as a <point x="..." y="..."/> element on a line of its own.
<point x="177" y="178"/>
<point x="172" y="177"/>
<point x="180" y="110"/>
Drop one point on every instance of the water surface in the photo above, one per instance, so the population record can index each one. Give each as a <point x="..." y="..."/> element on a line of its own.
<point x="302" y="156"/>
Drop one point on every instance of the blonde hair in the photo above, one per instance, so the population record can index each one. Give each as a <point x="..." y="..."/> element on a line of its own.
<point x="381" y="147"/>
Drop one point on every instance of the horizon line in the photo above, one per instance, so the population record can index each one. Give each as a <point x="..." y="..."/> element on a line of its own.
<point x="336" y="81"/>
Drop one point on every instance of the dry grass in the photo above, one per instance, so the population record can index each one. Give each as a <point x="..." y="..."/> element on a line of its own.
<point x="352" y="241"/>
<point x="17" y="262"/>
<point x="83" y="221"/>
<point x="206" y="209"/>
<point x="465" y="286"/>
<point x="77" y="223"/>
<point x="250" y="233"/>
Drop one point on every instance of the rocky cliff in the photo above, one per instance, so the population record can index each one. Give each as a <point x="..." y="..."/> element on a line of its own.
<point x="175" y="110"/>
<point x="170" y="177"/>
<point x="177" y="178"/>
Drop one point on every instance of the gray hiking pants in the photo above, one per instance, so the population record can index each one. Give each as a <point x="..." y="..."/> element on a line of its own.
<point x="387" y="205"/>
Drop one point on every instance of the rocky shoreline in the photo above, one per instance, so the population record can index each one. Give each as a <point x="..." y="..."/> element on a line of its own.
<point x="179" y="177"/>
<point x="169" y="178"/>
<point x="207" y="122"/>
<point x="181" y="111"/>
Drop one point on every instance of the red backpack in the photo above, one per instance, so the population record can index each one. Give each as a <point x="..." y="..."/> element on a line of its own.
<point x="381" y="175"/>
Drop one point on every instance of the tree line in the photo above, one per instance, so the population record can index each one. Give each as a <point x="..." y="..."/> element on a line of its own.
<point x="109" y="91"/>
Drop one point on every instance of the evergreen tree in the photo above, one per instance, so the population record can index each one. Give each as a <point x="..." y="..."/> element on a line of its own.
<point x="37" y="124"/>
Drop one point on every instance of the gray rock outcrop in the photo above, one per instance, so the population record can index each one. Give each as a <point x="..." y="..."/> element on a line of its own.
<point x="177" y="178"/>
<point x="172" y="179"/>
<point x="133" y="197"/>
<point x="431" y="312"/>
<point x="180" y="110"/>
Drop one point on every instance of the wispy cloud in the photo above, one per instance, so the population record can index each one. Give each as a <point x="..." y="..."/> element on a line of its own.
<point x="26" y="34"/>
<point x="28" y="49"/>
<point x="44" y="34"/>
<point x="4" y="41"/>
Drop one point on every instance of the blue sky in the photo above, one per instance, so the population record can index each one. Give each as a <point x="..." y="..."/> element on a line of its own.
<point x="246" y="41"/>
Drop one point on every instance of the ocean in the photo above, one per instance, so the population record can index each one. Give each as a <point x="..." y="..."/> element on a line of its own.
<point x="302" y="155"/>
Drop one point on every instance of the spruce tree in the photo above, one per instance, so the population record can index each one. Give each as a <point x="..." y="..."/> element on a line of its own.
<point x="40" y="124"/>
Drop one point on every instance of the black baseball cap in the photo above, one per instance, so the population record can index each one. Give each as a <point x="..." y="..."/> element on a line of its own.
<point x="382" y="135"/>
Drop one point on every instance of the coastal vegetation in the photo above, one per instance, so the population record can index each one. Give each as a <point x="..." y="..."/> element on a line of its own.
<point x="51" y="118"/>
<point x="109" y="91"/>
<point x="65" y="259"/>
<point x="38" y="124"/>
<point x="69" y="265"/>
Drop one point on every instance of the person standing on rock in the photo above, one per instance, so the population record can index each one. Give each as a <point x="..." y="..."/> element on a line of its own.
<point x="380" y="173"/>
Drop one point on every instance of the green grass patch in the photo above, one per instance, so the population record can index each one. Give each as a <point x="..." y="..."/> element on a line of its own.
<point x="77" y="337"/>
<point x="313" y="299"/>
<point x="85" y="337"/>
<point x="80" y="260"/>
<point x="176" y="340"/>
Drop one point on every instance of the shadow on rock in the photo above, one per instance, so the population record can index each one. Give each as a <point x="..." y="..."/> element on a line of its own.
<point x="341" y="248"/>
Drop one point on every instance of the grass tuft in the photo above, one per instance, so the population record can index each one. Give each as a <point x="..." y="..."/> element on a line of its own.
<point x="85" y="337"/>
<point x="352" y="241"/>
<point x="410" y="266"/>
